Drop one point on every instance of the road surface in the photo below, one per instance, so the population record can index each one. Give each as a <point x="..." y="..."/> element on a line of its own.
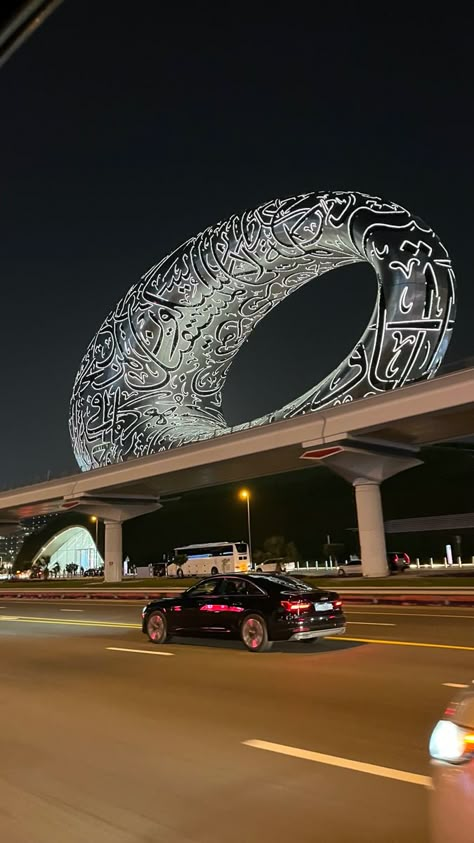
<point x="108" y="739"/>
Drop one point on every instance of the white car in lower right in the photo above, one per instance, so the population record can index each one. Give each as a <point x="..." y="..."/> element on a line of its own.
<point x="452" y="767"/>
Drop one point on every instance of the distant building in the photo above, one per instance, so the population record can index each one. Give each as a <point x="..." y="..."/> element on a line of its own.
<point x="10" y="546"/>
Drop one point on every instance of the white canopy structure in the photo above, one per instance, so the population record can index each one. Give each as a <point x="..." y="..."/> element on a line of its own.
<point x="72" y="545"/>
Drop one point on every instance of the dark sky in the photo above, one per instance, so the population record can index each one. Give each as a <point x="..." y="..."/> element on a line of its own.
<point x="124" y="132"/>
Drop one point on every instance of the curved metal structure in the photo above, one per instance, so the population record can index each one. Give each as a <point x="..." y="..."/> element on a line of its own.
<point x="152" y="377"/>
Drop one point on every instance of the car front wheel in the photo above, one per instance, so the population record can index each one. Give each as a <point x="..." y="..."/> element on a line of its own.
<point x="341" y="572"/>
<point x="157" y="628"/>
<point x="254" y="634"/>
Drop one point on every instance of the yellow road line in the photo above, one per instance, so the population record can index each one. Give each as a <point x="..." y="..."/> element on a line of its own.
<point x="63" y="622"/>
<point x="400" y="643"/>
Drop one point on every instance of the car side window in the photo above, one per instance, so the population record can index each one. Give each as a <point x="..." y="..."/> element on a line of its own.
<point x="206" y="587"/>
<point x="235" y="586"/>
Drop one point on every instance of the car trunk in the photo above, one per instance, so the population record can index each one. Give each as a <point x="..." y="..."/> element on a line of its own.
<point x="309" y="603"/>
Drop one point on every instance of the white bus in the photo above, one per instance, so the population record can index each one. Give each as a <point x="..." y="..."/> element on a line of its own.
<point x="211" y="558"/>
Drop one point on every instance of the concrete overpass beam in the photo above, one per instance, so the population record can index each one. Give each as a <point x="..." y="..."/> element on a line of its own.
<point x="373" y="549"/>
<point x="113" y="558"/>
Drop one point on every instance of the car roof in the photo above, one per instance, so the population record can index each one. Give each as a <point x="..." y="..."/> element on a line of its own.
<point x="272" y="579"/>
<point x="242" y="576"/>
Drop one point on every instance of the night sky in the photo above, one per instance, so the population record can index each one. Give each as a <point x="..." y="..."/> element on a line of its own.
<point x="124" y="132"/>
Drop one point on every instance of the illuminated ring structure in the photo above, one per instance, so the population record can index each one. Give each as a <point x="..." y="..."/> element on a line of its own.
<point x="152" y="377"/>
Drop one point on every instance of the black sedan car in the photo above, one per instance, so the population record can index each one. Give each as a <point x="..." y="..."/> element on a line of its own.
<point x="94" y="572"/>
<point x="257" y="608"/>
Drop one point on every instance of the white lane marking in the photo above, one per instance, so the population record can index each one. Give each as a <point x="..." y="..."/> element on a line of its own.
<point x="454" y="685"/>
<point x="409" y="614"/>
<point x="71" y="610"/>
<point x="344" y="763"/>
<point x="145" y="652"/>
<point x="369" y="623"/>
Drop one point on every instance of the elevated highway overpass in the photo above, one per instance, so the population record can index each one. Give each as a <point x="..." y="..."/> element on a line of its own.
<point x="365" y="442"/>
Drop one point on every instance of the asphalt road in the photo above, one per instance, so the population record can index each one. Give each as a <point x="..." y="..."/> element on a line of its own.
<point x="211" y="744"/>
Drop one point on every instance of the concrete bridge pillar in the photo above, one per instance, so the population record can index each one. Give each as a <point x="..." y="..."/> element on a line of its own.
<point x="113" y="551"/>
<point x="370" y="521"/>
<point x="366" y="464"/>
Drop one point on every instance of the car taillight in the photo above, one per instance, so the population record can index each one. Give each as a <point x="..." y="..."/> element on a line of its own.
<point x="337" y="604"/>
<point x="295" y="605"/>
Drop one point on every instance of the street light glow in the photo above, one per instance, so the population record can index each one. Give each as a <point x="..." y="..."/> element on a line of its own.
<point x="244" y="495"/>
<point x="95" y="521"/>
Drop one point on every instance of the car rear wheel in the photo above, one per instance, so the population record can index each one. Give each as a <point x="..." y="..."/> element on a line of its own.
<point x="179" y="573"/>
<point x="157" y="628"/>
<point x="214" y="572"/>
<point x="254" y="634"/>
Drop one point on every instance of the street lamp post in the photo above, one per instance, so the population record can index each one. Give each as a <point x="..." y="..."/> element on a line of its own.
<point x="95" y="521"/>
<point x="245" y="496"/>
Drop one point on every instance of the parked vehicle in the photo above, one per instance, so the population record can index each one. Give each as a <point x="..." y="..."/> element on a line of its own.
<point x="279" y="566"/>
<point x="257" y="608"/>
<point x="199" y="560"/>
<point x="397" y="563"/>
<point x="94" y="572"/>
<point x="350" y="568"/>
